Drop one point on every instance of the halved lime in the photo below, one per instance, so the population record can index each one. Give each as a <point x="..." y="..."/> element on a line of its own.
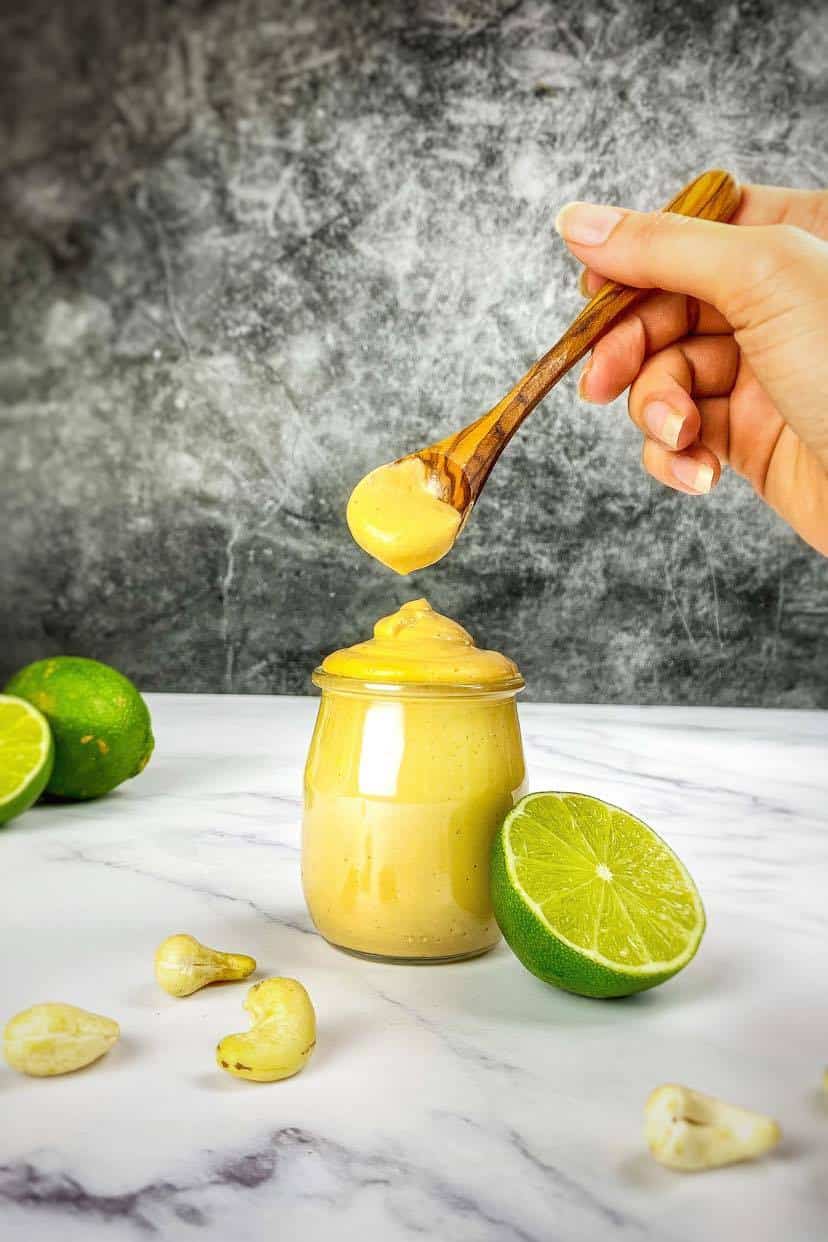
<point x="26" y="756"/>
<point x="590" y="899"/>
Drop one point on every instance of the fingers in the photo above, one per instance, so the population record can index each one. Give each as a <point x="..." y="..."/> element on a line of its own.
<point x="707" y="318"/>
<point x="694" y="472"/>
<point x="590" y="282"/>
<point x="710" y="261"/>
<point x="767" y="283"/>
<point x="714" y="413"/>
<point x="701" y="366"/>
<point x="661" y="400"/>
<point x="668" y="414"/>
<point x="686" y="441"/>
<point x="661" y="320"/>
<point x="614" y="362"/>
<point x="769" y="204"/>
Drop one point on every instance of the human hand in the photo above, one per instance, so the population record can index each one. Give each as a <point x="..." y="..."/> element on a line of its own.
<point x="729" y="366"/>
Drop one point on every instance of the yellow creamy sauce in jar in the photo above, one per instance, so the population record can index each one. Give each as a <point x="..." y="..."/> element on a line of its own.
<point x="415" y="759"/>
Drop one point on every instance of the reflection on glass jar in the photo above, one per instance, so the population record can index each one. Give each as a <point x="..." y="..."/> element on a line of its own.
<point x="405" y="786"/>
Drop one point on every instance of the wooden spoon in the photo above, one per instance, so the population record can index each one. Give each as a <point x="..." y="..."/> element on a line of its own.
<point x="458" y="466"/>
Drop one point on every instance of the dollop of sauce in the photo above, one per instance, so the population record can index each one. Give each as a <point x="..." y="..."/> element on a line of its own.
<point x="395" y="516"/>
<point x="418" y="645"/>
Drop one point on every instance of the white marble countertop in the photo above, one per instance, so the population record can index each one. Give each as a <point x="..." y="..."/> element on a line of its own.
<point x="466" y="1102"/>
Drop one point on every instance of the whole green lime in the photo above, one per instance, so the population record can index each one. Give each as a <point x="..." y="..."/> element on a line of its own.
<point x="101" y="726"/>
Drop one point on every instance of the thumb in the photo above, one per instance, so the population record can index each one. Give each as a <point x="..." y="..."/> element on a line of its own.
<point x="728" y="266"/>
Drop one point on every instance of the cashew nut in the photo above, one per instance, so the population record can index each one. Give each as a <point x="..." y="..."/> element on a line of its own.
<point x="690" y="1131"/>
<point x="281" y="1039"/>
<point x="183" y="965"/>
<point x="56" y="1039"/>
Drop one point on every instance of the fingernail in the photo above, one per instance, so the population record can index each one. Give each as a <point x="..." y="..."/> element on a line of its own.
<point x="583" y="287"/>
<point x="582" y="379"/>
<point x="663" y="421"/>
<point x="587" y="224"/>
<point x="693" y="474"/>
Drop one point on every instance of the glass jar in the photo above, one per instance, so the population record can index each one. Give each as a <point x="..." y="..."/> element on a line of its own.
<point x="405" y="786"/>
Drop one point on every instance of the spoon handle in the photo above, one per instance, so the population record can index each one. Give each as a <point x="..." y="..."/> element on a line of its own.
<point x="712" y="196"/>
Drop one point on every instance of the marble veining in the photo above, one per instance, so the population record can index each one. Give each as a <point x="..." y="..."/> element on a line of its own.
<point x="467" y="1103"/>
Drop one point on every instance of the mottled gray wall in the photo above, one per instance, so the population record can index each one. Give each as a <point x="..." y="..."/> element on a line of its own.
<point x="252" y="249"/>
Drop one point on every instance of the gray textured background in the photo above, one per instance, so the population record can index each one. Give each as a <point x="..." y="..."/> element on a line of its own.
<point x="252" y="249"/>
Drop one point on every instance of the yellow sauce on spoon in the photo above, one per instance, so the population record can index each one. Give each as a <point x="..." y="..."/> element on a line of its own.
<point x="396" y="517"/>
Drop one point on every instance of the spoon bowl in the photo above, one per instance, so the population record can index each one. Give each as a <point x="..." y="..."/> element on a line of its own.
<point x="447" y="477"/>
